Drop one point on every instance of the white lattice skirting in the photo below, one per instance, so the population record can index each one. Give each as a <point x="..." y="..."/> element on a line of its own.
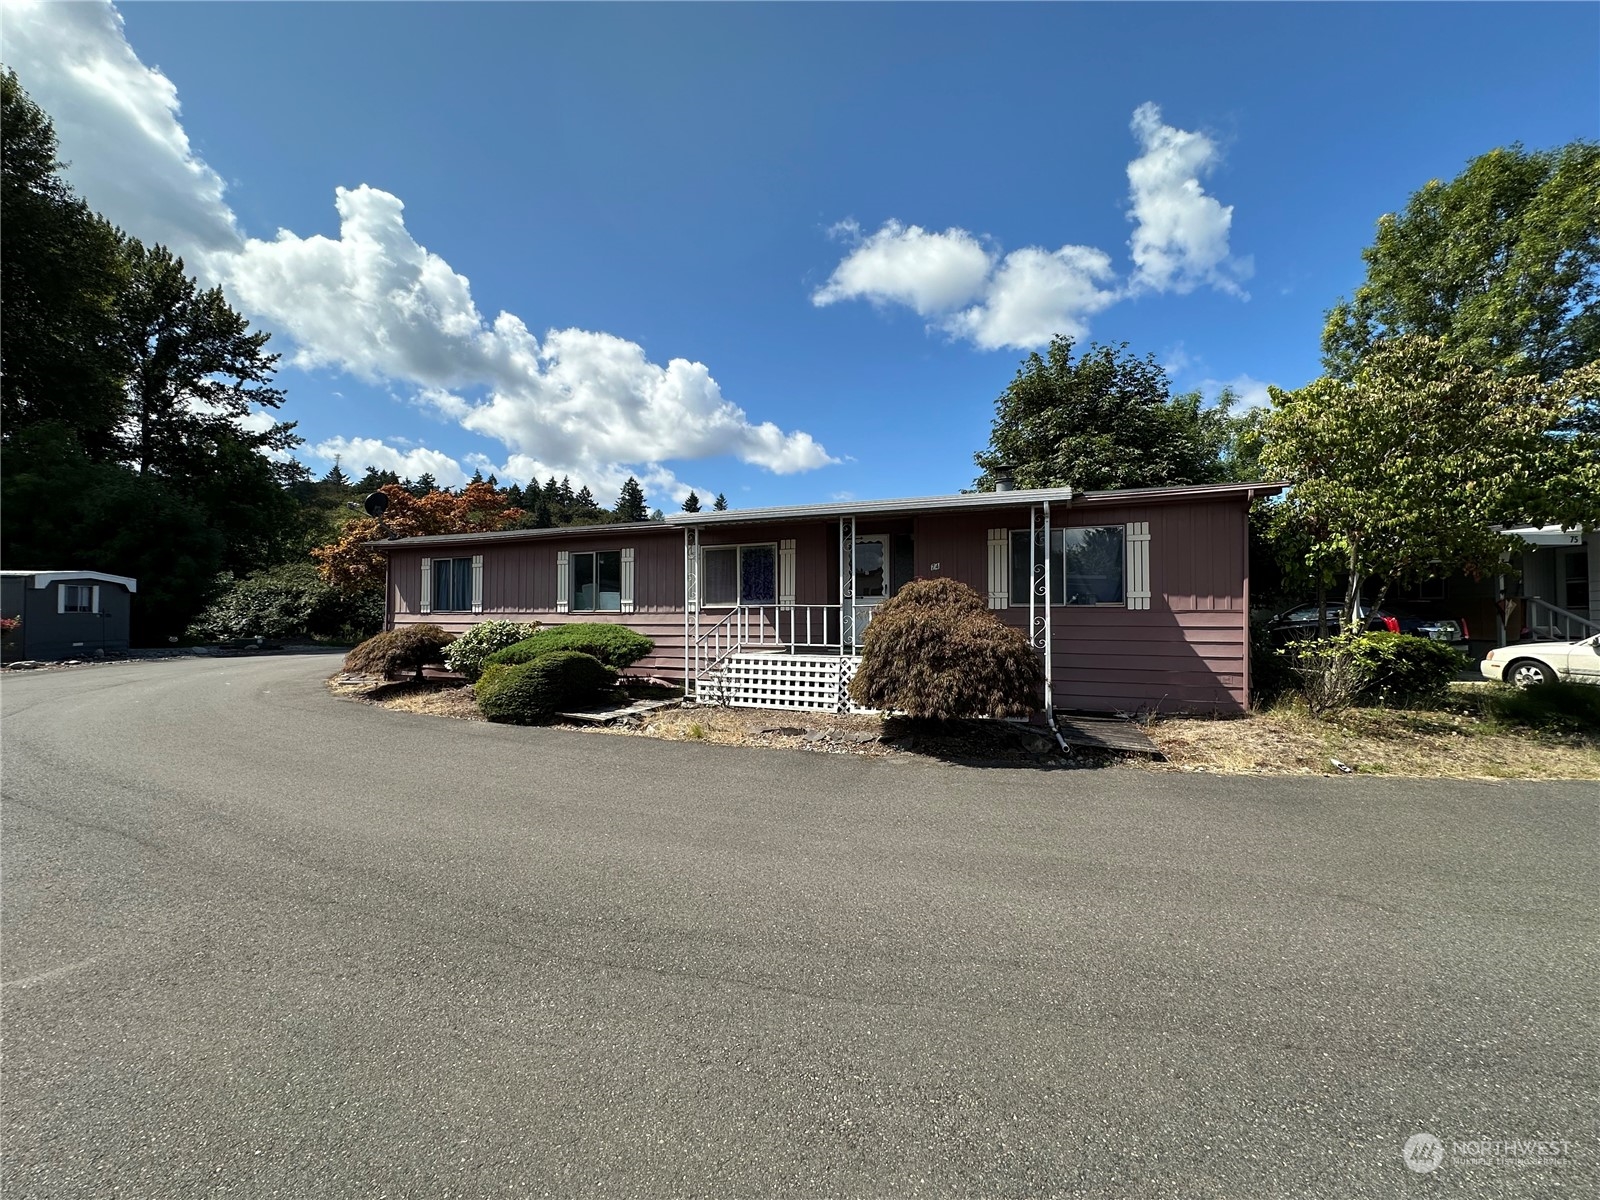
<point x="810" y="682"/>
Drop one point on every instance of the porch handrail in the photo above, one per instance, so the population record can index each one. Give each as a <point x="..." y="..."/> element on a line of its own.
<point x="1560" y="623"/>
<point x="776" y="626"/>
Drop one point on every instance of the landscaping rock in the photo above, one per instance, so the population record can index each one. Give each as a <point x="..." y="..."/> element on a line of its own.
<point x="785" y="730"/>
<point x="861" y="739"/>
<point x="818" y="735"/>
<point x="24" y="664"/>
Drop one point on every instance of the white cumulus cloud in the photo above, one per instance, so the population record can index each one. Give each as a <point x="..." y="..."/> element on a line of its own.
<point x="372" y="301"/>
<point x="906" y="264"/>
<point x="961" y="284"/>
<point x="1180" y="236"/>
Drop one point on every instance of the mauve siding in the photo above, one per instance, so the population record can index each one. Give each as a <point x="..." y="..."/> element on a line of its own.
<point x="1186" y="652"/>
<point x="519" y="584"/>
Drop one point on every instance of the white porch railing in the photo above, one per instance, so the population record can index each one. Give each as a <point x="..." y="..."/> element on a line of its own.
<point x="1546" y="621"/>
<point x="795" y="628"/>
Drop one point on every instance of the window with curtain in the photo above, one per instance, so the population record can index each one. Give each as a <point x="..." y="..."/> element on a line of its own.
<point x="740" y="575"/>
<point x="452" y="585"/>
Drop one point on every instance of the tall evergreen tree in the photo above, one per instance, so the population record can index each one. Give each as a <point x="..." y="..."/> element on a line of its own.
<point x="720" y="504"/>
<point x="692" y="504"/>
<point x="336" y="475"/>
<point x="630" y="502"/>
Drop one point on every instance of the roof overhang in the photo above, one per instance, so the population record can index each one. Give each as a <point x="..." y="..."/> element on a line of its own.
<point x="1547" y="535"/>
<point x="874" y="508"/>
<point x="43" y="579"/>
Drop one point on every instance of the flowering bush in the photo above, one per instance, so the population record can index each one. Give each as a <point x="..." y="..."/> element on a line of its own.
<point x="467" y="653"/>
<point x="10" y="625"/>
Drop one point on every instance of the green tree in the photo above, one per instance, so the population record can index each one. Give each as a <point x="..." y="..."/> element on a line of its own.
<point x="1502" y="264"/>
<point x="1405" y="469"/>
<point x="1105" y="419"/>
<point x="692" y="504"/>
<point x="720" y="504"/>
<point x="630" y="502"/>
<point x="336" y="476"/>
<point x="60" y="275"/>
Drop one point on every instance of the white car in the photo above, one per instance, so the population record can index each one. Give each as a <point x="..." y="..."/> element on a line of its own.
<point x="1545" y="662"/>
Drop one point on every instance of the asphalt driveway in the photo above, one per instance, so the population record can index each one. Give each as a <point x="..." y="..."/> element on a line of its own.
<point x="260" y="942"/>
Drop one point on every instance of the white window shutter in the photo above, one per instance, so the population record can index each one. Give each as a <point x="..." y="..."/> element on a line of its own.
<point x="627" y="579"/>
<point x="61" y="597"/>
<point x="427" y="586"/>
<point x="477" y="583"/>
<point x="786" y="571"/>
<point x="94" y="599"/>
<point x="1136" y="583"/>
<point x="693" y="565"/>
<point x="563" y="600"/>
<point x="999" y="568"/>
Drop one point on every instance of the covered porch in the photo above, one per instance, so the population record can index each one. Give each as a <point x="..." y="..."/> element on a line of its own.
<point x="778" y="601"/>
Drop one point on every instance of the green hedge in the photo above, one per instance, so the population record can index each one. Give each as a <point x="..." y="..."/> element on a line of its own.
<point x="527" y="693"/>
<point x="1401" y="668"/>
<point x="289" y="601"/>
<point x="615" y="645"/>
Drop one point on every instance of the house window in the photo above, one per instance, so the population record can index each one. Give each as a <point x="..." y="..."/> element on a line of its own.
<point x="597" y="581"/>
<point x="77" y="598"/>
<point x="741" y="575"/>
<point x="452" y="585"/>
<point x="1086" y="565"/>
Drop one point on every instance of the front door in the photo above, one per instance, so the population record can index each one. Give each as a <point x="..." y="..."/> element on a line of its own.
<point x="872" y="578"/>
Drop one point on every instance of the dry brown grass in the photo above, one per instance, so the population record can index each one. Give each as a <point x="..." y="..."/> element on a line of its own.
<point x="1285" y="740"/>
<point x="1288" y="740"/>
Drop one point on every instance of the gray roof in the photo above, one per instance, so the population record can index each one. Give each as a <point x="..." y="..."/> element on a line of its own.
<point x="863" y="508"/>
<point x="46" y="578"/>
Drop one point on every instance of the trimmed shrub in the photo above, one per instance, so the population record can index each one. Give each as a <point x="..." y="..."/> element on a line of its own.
<point x="468" y="653"/>
<point x="615" y="645"/>
<point x="1560" y="707"/>
<point x="409" y="648"/>
<point x="935" y="650"/>
<point x="530" y="692"/>
<point x="290" y="601"/>
<point x="1401" y="668"/>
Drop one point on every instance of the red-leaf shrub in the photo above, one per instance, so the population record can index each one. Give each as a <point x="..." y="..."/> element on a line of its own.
<point x="409" y="648"/>
<point x="935" y="650"/>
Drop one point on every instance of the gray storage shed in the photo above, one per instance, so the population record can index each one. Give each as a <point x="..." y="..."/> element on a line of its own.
<point x="66" y="614"/>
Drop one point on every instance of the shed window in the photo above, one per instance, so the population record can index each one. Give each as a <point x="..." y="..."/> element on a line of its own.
<point x="452" y="585"/>
<point x="741" y="575"/>
<point x="77" y="598"/>
<point x="1086" y="565"/>
<point x="597" y="581"/>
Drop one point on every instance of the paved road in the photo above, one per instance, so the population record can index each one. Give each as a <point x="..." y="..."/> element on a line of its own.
<point x="259" y="942"/>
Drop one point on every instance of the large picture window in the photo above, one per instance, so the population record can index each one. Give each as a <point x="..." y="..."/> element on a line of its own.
<point x="1086" y="565"/>
<point x="77" y="598"/>
<point x="740" y="575"/>
<point x="452" y="585"/>
<point x="597" y="581"/>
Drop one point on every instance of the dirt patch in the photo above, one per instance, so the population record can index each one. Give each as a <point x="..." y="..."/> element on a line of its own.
<point x="1441" y="743"/>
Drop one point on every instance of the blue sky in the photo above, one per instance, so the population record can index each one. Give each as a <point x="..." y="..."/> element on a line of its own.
<point x="785" y="252"/>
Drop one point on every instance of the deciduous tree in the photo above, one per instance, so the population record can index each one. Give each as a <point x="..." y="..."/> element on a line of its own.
<point x="1502" y="264"/>
<point x="352" y="564"/>
<point x="1405" y="468"/>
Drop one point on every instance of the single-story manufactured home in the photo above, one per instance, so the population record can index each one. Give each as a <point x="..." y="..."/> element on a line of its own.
<point x="1136" y="599"/>
<point x="66" y="614"/>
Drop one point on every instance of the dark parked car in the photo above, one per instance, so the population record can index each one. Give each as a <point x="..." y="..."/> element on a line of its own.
<point x="1302" y="623"/>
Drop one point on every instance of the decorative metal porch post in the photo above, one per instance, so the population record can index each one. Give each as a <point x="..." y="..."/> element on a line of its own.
<point x="691" y="607"/>
<point x="1049" y="692"/>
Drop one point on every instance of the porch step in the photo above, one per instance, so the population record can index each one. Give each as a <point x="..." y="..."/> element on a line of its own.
<point x="769" y="679"/>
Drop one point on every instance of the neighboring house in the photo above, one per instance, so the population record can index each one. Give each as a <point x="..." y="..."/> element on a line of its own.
<point x="1552" y="592"/>
<point x="66" y="614"/>
<point x="1148" y="590"/>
